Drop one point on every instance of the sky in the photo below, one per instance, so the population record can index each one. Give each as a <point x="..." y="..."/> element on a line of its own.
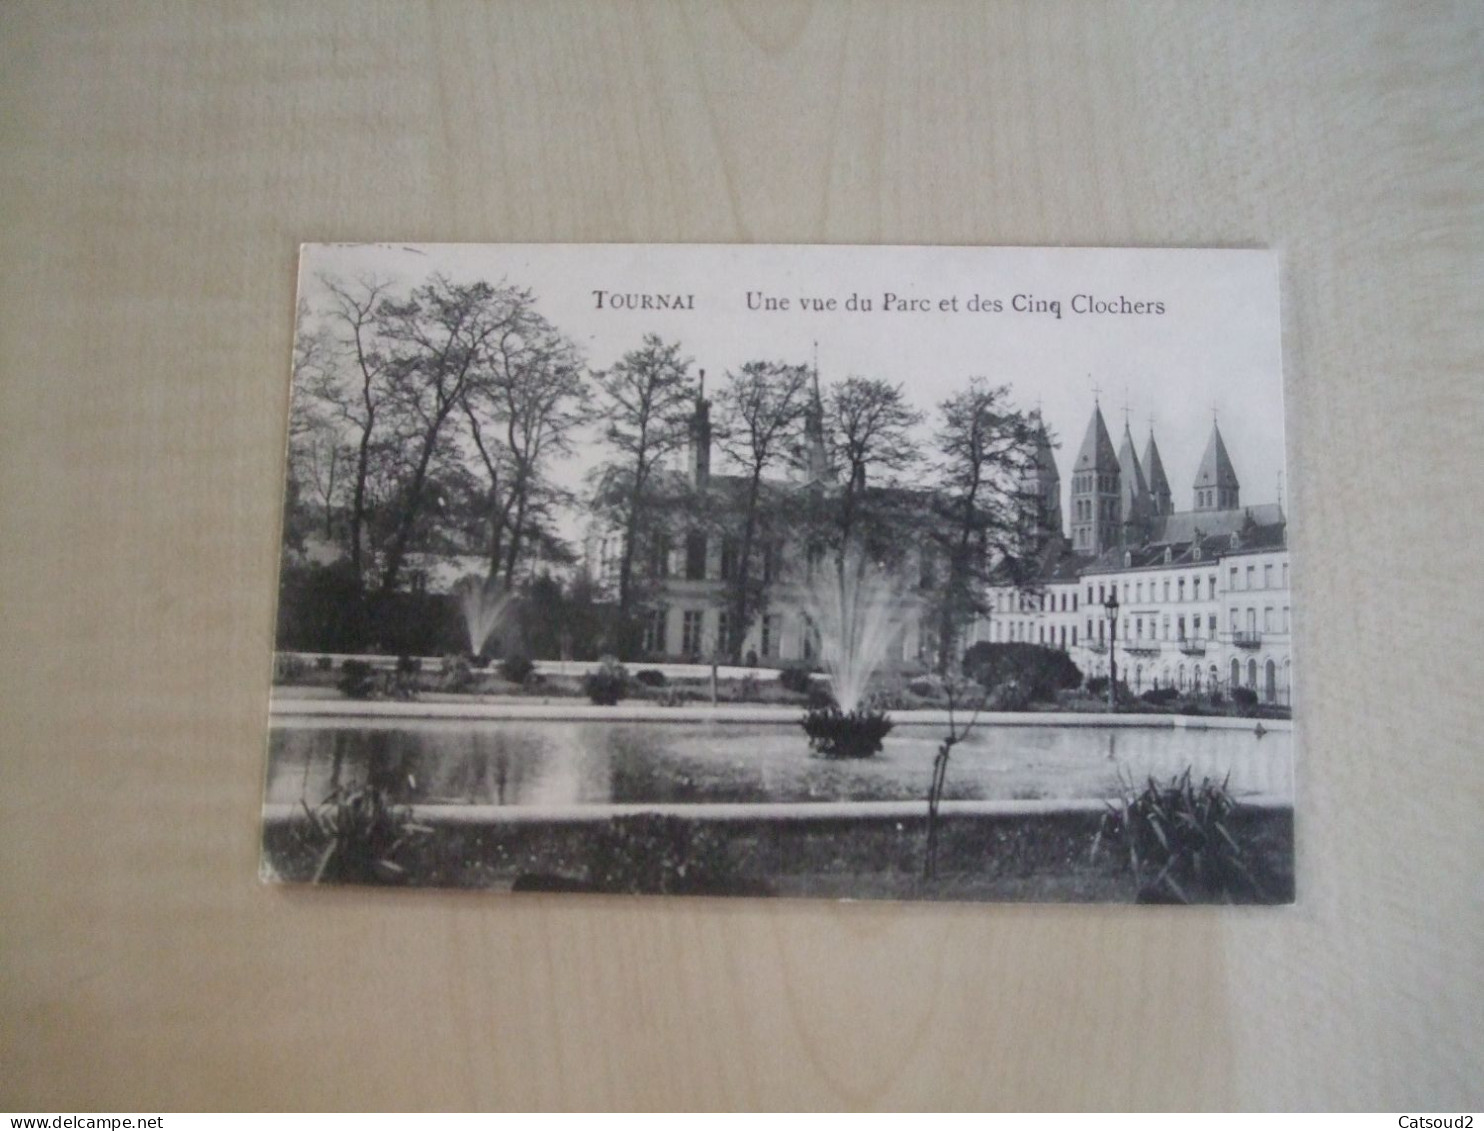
<point x="1214" y="352"/>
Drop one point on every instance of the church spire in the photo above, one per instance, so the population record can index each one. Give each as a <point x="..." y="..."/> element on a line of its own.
<point x="1041" y="485"/>
<point x="1216" y="486"/>
<point x="1133" y="492"/>
<point x="700" y="436"/>
<point x="1161" y="501"/>
<point x="816" y="458"/>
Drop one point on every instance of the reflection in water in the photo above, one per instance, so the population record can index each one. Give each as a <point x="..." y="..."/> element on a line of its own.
<point x="565" y="763"/>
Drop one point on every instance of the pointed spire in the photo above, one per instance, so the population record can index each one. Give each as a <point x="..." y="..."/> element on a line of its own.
<point x="1216" y="486"/>
<point x="1133" y="490"/>
<point x="1041" y="483"/>
<point x="1161" y="501"/>
<point x="1096" y="453"/>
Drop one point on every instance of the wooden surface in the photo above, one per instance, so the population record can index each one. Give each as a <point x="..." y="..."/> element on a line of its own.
<point x="159" y="163"/>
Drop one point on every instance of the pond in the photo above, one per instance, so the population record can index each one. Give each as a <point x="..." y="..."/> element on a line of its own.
<point x="560" y="763"/>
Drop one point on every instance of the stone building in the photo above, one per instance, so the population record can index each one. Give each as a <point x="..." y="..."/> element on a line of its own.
<point x="1203" y="599"/>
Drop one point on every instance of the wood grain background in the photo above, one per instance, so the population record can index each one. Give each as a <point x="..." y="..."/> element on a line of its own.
<point x="159" y="164"/>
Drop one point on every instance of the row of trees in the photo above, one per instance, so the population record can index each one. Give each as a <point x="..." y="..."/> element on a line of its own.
<point x="433" y="418"/>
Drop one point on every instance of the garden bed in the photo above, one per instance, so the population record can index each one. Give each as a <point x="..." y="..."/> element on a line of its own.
<point x="1014" y="856"/>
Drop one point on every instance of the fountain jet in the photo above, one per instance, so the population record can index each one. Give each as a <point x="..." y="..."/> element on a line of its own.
<point x="853" y="607"/>
<point x="483" y="604"/>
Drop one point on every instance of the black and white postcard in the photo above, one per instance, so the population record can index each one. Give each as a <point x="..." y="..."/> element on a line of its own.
<point x="847" y="572"/>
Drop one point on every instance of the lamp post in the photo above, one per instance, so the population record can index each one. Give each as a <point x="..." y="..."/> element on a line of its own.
<point x="1110" y="608"/>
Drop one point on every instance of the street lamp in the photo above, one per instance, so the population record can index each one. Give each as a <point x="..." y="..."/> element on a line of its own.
<point x="1110" y="608"/>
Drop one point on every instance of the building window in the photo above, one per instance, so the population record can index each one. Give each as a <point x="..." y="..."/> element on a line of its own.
<point x="723" y="634"/>
<point x="690" y="632"/>
<point x="728" y="559"/>
<point x="1267" y="576"/>
<point x="1167" y="590"/>
<point x="1089" y="594"/>
<point x="1074" y="636"/>
<point x="1180" y="628"/>
<point x="770" y="634"/>
<point x="1074" y="602"/>
<point x="1234" y="579"/>
<point x="1211" y="629"/>
<point x="1180" y="589"/>
<point x="772" y="560"/>
<point x="654" y="631"/>
<point x="695" y="556"/>
<point x="659" y="556"/>
<point x="1251" y="577"/>
<point x="1285" y="618"/>
<point x="1211" y="587"/>
<point x="1267" y="619"/>
<point x="1167" y="626"/>
<point x="811" y="638"/>
<point x="1285" y="575"/>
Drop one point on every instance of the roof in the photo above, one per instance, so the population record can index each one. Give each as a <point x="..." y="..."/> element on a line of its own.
<point x="1182" y="525"/>
<point x="1216" y="466"/>
<point x="1097" y="452"/>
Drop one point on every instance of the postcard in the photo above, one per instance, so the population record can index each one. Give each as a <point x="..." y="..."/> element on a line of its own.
<point x="942" y="573"/>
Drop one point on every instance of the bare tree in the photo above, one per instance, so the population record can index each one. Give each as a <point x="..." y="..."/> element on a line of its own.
<point x="646" y="400"/>
<point x="761" y="411"/>
<point x="868" y="427"/>
<point x="353" y="384"/>
<point x="522" y="410"/>
<point x="437" y="340"/>
<point x="984" y="450"/>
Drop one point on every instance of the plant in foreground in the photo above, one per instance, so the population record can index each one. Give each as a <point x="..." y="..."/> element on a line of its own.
<point x="362" y="834"/>
<point x="1177" y="840"/>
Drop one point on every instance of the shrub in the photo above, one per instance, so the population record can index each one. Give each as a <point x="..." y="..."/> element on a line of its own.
<point x="1097" y="687"/>
<point x="653" y="854"/>
<point x="323" y="663"/>
<point x="748" y="689"/>
<point x="840" y="734"/>
<point x="517" y="668"/>
<point x="409" y="665"/>
<point x="820" y="697"/>
<point x="1009" y="697"/>
<point x="1178" y="833"/>
<point x="362" y="834"/>
<point x="795" y="679"/>
<point x="287" y="667"/>
<point x="925" y="688"/>
<point x="479" y="660"/>
<point x="651" y="677"/>
<point x="1160" y="695"/>
<point x="456" y="674"/>
<point x="1039" y="670"/>
<point x="607" y="684"/>
<point x="357" y="679"/>
<point x="1244" y="697"/>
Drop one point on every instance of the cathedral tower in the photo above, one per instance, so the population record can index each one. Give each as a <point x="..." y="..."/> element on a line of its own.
<point x="1216" y="487"/>
<point x="1133" y="493"/>
<point x="1161" y="502"/>
<point x="1095" y="502"/>
<point x="1040" y="488"/>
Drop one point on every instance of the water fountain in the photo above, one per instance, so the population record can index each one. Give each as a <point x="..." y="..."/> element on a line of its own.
<point x="854" y="610"/>
<point x="483" y="604"/>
